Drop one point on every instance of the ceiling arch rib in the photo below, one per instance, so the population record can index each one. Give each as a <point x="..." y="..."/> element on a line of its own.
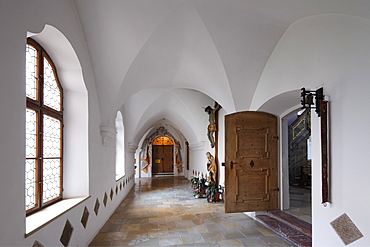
<point x="179" y="54"/>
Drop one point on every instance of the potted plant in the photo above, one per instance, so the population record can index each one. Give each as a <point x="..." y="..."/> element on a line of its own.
<point x="213" y="192"/>
<point x="194" y="182"/>
<point x="202" y="186"/>
<point x="196" y="193"/>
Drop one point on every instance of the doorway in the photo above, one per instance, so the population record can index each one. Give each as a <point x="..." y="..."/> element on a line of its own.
<point x="162" y="150"/>
<point x="299" y="165"/>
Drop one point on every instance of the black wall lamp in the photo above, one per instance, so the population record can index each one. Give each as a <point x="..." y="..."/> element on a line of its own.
<point x="307" y="99"/>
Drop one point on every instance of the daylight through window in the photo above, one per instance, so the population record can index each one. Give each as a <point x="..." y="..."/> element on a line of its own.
<point x="44" y="130"/>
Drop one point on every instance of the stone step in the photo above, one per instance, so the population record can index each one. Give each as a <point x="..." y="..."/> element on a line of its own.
<point x="285" y="230"/>
<point x="298" y="224"/>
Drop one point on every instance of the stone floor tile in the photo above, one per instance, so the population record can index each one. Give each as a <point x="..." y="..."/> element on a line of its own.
<point x="212" y="236"/>
<point x="199" y="221"/>
<point x="184" y="223"/>
<point x="208" y="244"/>
<point x="101" y="243"/>
<point x="148" y="242"/>
<point x="266" y="231"/>
<point x="149" y="226"/>
<point x="229" y="242"/>
<point x="164" y="214"/>
<point x="177" y="231"/>
<point x="130" y="227"/>
<point x="253" y="242"/>
<point x="275" y="241"/>
<point x="204" y="215"/>
<point x="251" y="232"/>
<point x="110" y="228"/>
<point x="158" y="233"/>
<point x="100" y="237"/>
<point x="197" y="229"/>
<point x="232" y="234"/>
<point x="167" y="224"/>
<point x="140" y="234"/>
<point x="173" y="218"/>
<point x="189" y="217"/>
<point x="157" y="219"/>
<point x="124" y="242"/>
<point x="170" y="241"/>
<point x="231" y="226"/>
<point x="215" y="227"/>
<point x="191" y="238"/>
<point x="113" y="236"/>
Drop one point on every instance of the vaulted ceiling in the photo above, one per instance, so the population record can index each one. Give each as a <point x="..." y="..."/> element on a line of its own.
<point x="150" y="52"/>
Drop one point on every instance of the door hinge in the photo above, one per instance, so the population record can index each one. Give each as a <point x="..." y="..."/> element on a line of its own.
<point x="277" y="189"/>
<point x="276" y="137"/>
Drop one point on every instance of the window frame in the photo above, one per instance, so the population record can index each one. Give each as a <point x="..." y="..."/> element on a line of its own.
<point x="41" y="111"/>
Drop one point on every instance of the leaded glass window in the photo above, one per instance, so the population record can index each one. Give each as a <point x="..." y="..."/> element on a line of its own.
<point x="44" y="130"/>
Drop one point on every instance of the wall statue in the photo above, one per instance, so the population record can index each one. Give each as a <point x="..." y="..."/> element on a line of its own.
<point x="212" y="128"/>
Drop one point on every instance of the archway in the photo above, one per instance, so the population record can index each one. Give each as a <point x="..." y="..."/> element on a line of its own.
<point x="160" y="154"/>
<point x="286" y="106"/>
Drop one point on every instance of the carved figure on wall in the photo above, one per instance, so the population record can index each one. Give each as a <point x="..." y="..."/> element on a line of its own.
<point x="212" y="128"/>
<point x="211" y="168"/>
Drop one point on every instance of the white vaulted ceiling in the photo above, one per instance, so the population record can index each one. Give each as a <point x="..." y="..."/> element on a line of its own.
<point x="146" y="51"/>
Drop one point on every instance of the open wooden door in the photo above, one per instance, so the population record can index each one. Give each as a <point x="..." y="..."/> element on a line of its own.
<point x="251" y="173"/>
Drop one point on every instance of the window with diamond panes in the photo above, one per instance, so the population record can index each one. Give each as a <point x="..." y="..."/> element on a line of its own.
<point x="44" y="130"/>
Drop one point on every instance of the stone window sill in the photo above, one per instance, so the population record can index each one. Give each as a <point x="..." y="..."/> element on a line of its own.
<point x="40" y="219"/>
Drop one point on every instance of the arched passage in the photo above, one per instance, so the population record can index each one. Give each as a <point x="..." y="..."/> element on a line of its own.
<point x="153" y="152"/>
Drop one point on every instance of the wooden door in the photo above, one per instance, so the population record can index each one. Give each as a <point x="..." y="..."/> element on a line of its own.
<point x="251" y="173"/>
<point x="162" y="158"/>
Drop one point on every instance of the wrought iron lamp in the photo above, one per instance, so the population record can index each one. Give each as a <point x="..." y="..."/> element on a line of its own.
<point x="307" y="100"/>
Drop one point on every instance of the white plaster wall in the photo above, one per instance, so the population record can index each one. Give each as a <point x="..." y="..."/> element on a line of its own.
<point x="16" y="19"/>
<point x="330" y="51"/>
<point x="221" y="146"/>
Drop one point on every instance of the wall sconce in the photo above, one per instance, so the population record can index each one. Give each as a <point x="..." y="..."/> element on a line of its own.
<point x="307" y="101"/>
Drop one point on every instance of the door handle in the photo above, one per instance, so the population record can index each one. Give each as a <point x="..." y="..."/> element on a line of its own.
<point x="231" y="164"/>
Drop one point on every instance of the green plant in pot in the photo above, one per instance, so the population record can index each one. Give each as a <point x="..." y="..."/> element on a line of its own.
<point x="202" y="186"/>
<point x="195" y="182"/>
<point x="213" y="192"/>
<point x="196" y="193"/>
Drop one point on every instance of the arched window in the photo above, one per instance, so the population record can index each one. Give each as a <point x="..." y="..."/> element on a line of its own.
<point x="44" y="130"/>
<point x="120" y="146"/>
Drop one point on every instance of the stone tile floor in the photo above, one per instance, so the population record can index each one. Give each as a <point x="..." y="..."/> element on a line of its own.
<point x="162" y="211"/>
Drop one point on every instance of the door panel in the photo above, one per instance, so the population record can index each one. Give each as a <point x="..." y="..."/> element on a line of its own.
<point x="251" y="174"/>
<point x="167" y="158"/>
<point x="157" y="153"/>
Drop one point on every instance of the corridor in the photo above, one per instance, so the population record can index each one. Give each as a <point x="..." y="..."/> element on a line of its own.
<point x="162" y="211"/>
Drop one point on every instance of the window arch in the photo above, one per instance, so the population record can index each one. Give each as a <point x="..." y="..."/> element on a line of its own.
<point x="44" y="130"/>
